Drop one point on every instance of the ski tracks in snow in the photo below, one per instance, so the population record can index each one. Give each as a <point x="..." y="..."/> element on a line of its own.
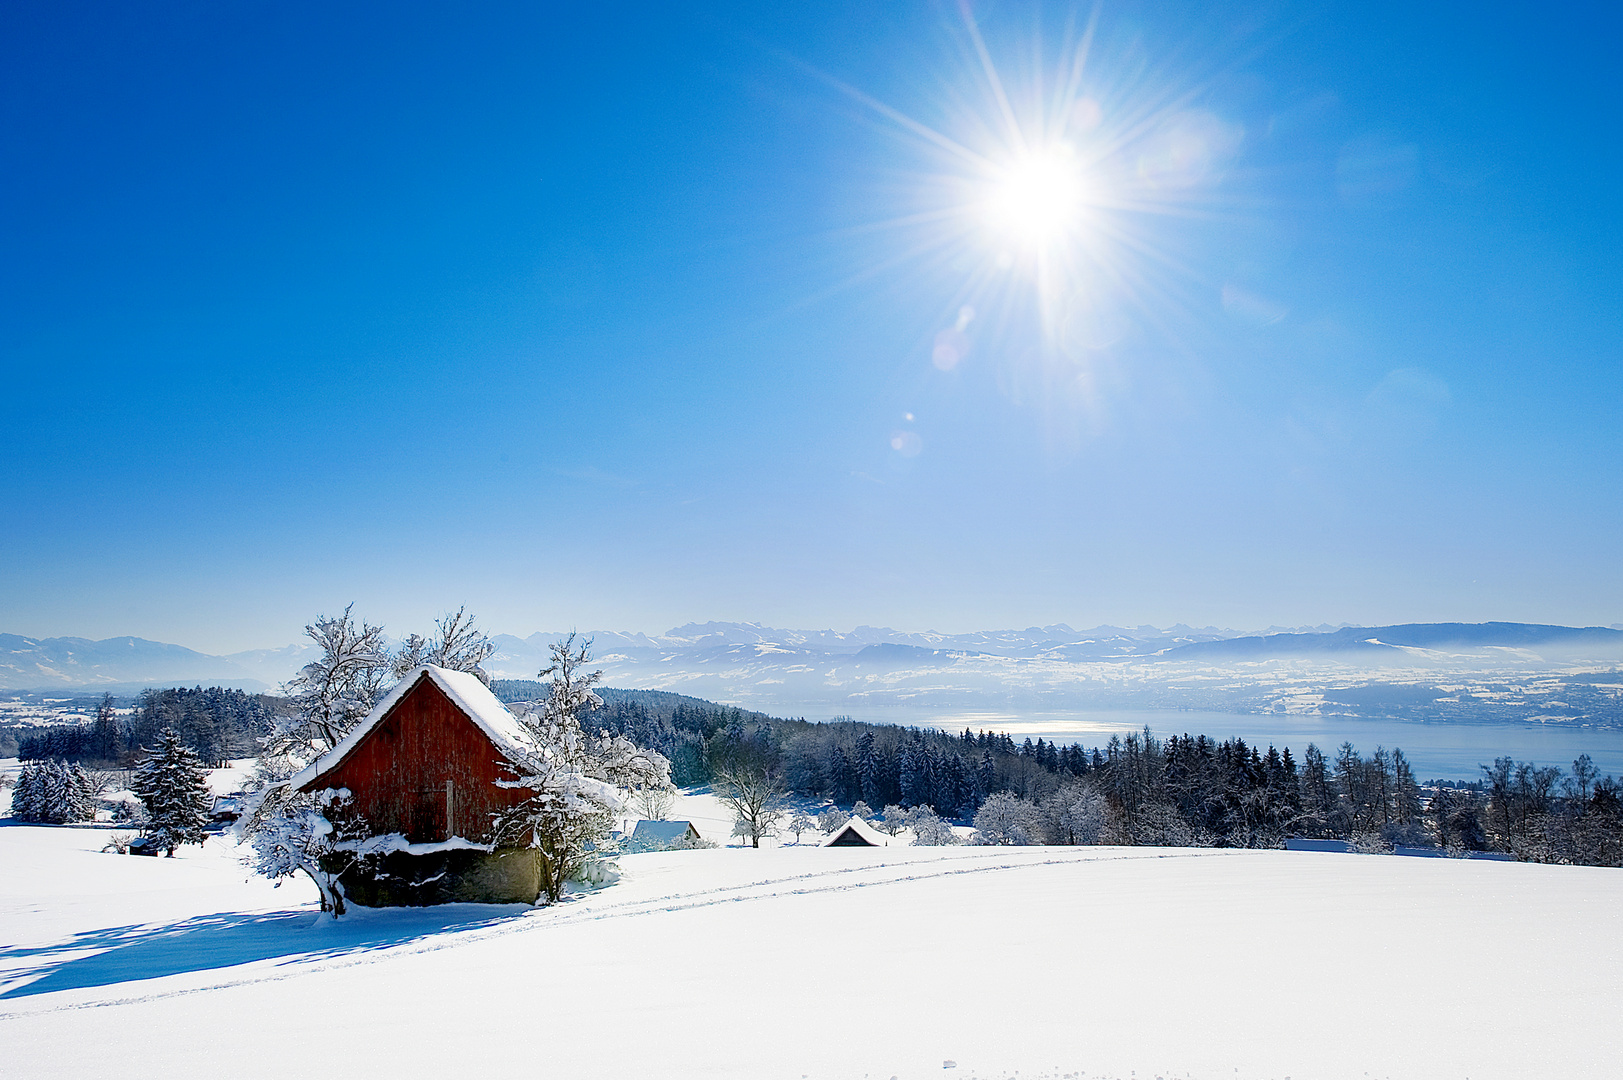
<point x="599" y="907"/>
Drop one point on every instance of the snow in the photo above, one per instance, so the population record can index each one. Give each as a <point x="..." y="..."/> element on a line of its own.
<point x="732" y="962"/>
<point x="393" y="842"/>
<point x="231" y="779"/>
<point x="472" y="696"/>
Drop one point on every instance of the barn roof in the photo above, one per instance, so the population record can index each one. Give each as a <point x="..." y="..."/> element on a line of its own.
<point x="862" y="829"/>
<point x="466" y="692"/>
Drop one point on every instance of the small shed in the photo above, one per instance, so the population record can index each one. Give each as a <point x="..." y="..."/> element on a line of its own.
<point x="662" y="836"/>
<point x="424" y="775"/>
<point x="858" y="833"/>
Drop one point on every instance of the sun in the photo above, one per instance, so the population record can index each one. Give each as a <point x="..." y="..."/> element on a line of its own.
<point x="1037" y="199"/>
<point x="1052" y="205"/>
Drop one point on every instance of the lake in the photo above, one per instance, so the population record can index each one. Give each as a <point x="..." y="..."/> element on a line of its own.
<point x="1436" y="751"/>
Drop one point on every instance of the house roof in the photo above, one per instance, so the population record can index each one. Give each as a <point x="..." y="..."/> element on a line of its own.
<point x="661" y="831"/>
<point x="466" y="692"/>
<point x="861" y="828"/>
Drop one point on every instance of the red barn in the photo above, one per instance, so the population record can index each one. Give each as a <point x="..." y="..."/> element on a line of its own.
<point x="422" y="773"/>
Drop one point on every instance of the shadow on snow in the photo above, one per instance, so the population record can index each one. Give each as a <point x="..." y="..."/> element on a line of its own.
<point x="209" y="942"/>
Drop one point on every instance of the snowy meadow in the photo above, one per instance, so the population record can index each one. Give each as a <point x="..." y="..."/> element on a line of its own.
<point x="738" y="962"/>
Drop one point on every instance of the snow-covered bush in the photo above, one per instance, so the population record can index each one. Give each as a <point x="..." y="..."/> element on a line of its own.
<point x="1370" y="843"/>
<point x="170" y="781"/>
<point x="596" y="873"/>
<point x="118" y="843"/>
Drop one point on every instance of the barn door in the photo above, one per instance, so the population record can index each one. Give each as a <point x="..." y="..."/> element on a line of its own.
<point x="428" y="815"/>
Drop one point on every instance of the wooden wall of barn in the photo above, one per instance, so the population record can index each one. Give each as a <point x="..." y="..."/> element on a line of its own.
<point x="425" y="770"/>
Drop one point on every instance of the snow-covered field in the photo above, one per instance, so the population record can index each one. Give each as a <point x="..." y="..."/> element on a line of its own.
<point x="810" y="962"/>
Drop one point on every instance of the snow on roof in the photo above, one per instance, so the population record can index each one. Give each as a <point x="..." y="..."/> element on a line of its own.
<point x="466" y="691"/>
<point x="663" y="831"/>
<point x="861" y="828"/>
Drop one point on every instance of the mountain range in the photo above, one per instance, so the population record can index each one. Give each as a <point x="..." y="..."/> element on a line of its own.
<point x="718" y="656"/>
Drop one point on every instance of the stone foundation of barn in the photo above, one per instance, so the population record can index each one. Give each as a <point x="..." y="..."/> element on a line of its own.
<point x="457" y="876"/>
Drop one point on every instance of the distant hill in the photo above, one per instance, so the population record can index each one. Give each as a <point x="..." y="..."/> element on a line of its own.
<point x="1374" y="641"/>
<point x="115" y="664"/>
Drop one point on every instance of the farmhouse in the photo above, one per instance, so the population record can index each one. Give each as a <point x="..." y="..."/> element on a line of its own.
<point x="662" y="836"/>
<point x="423" y="774"/>
<point x="857" y="833"/>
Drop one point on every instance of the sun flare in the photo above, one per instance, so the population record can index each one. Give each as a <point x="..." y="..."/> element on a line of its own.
<point x="1037" y="199"/>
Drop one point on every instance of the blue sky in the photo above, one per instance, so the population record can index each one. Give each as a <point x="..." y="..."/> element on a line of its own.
<point x="632" y="317"/>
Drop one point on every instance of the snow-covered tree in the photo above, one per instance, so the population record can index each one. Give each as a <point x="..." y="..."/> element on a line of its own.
<point x="82" y="788"/>
<point x="893" y="821"/>
<point x="928" y="829"/>
<point x="288" y="830"/>
<point x="1080" y="814"/>
<point x="861" y="810"/>
<point x="801" y="822"/>
<point x="334" y="692"/>
<point x="171" y="783"/>
<point x="455" y="645"/>
<point x="54" y="793"/>
<point x="294" y="836"/>
<point x="832" y="819"/>
<point x="574" y="780"/>
<point x="25" y="796"/>
<point x="1007" y="819"/>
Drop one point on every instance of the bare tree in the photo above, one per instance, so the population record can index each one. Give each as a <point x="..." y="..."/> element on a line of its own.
<point x="1583" y="777"/>
<point x="753" y="790"/>
<point x="653" y="803"/>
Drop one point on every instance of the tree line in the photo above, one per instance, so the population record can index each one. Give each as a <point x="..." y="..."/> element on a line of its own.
<point x="1195" y="791"/>
<point x="1185" y="790"/>
<point x="215" y="723"/>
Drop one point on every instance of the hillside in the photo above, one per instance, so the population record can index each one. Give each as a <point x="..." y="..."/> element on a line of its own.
<point x="1099" y="962"/>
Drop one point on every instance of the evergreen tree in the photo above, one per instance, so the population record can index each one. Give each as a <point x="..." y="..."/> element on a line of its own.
<point x="170" y="782"/>
<point x="54" y="793"/>
<point x="868" y="770"/>
<point x="26" y="797"/>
